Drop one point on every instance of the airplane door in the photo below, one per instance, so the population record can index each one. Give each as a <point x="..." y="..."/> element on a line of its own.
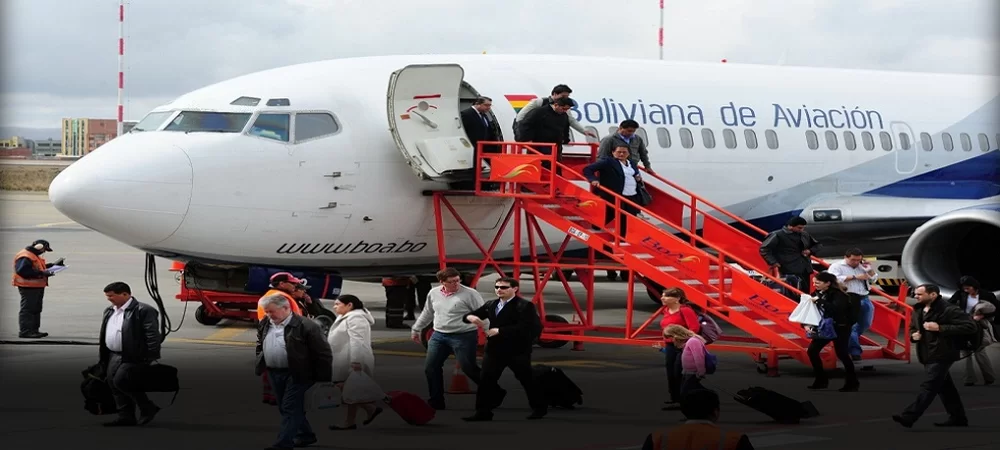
<point x="423" y="110"/>
<point x="906" y="150"/>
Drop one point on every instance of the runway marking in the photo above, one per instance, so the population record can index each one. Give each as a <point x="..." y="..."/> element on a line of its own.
<point x="226" y="334"/>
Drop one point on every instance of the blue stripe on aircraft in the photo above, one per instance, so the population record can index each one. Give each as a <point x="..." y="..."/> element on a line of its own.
<point x="977" y="177"/>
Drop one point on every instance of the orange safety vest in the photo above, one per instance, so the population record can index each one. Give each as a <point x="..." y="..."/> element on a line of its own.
<point x="696" y="436"/>
<point x="38" y="262"/>
<point x="291" y="301"/>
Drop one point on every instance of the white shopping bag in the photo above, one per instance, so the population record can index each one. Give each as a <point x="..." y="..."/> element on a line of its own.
<point x="323" y="396"/>
<point x="360" y="388"/>
<point x="806" y="313"/>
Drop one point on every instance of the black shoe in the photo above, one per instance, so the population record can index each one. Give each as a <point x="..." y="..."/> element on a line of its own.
<point x="32" y="335"/>
<point x="305" y="442"/>
<point x="953" y="423"/>
<point x="122" y="422"/>
<point x="340" y="428"/>
<point x="900" y="420"/>
<point x="148" y="415"/>
<point x="818" y="385"/>
<point x="477" y="417"/>
<point x="850" y="387"/>
<point x="535" y="415"/>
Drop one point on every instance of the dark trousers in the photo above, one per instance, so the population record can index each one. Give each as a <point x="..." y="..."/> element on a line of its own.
<point x="803" y="285"/>
<point x="30" y="316"/>
<point x="841" y="347"/>
<point x="489" y="389"/>
<point x="395" y="305"/>
<point x="938" y="382"/>
<point x="123" y="379"/>
<point x="291" y="396"/>
<point x="609" y="214"/>
<point x="438" y="349"/>
<point x="674" y="378"/>
<point x="690" y="383"/>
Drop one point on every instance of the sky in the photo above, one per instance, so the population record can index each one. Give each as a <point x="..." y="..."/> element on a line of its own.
<point x="60" y="56"/>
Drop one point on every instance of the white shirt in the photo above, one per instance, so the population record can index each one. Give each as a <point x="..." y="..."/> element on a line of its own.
<point x="971" y="304"/>
<point x="502" y="303"/>
<point x="113" y="330"/>
<point x="630" y="183"/>
<point x="844" y="271"/>
<point x="275" y="355"/>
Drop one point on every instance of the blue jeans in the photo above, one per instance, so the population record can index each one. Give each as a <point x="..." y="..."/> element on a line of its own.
<point x="438" y="348"/>
<point x="291" y="396"/>
<point x="864" y="323"/>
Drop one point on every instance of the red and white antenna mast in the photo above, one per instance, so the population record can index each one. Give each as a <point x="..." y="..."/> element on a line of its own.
<point x="661" y="30"/>
<point x="121" y="64"/>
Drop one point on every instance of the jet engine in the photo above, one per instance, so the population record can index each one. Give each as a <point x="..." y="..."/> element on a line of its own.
<point x="955" y="244"/>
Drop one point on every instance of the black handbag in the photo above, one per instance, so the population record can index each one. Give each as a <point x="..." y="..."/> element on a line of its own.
<point x="97" y="396"/>
<point x="158" y="377"/>
<point x="644" y="198"/>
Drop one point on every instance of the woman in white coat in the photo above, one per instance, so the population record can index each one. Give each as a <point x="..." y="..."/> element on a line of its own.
<point x="350" y="338"/>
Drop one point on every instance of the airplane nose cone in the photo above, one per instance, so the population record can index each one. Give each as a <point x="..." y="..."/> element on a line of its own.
<point x="136" y="194"/>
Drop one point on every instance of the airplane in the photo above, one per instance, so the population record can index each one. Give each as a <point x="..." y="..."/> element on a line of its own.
<point x="325" y="165"/>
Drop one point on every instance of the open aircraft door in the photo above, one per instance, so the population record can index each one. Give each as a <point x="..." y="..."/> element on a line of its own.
<point x="423" y="108"/>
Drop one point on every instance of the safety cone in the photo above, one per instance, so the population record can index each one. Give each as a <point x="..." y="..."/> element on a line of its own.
<point x="459" y="382"/>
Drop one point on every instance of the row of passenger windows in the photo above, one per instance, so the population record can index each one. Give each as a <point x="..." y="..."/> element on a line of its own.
<point x="831" y="138"/>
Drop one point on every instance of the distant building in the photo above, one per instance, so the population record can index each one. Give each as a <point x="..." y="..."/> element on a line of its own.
<point x="48" y="147"/>
<point x="15" y="142"/>
<point x="82" y="136"/>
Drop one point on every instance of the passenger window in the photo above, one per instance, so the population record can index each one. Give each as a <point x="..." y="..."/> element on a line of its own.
<point x="772" y="139"/>
<point x="271" y="126"/>
<point x="886" y="139"/>
<point x="590" y="139"/>
<point x="642" y="134"/>
<point x="708" y="137"/>
<point x="812" y="140"/>
<point x="904" y="141"/>
<point x="687" y="139"/>
<point x="849" y="141"/>
<point x="966" y="142"/>
<point x="314" y="125"/>
<point x="729" y="137"/>
<point x="984" y="143"/>
<point x="868" y="141"/>
<point x="926" y="142"/>
<point x="751" y="138"/>
<point x="949" y="143"/>
<point x="663" y="136"/>
<point x="831" y="140"/>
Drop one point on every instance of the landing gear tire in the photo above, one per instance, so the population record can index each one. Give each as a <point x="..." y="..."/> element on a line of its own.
<point x="202" y="317"/>
<point x="544" y="343"/>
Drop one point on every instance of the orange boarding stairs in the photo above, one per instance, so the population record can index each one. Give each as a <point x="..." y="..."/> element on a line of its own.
<point x="691" y="247"/>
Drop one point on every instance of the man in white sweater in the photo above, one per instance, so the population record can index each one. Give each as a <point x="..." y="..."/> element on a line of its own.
<point x="446" y="306"/>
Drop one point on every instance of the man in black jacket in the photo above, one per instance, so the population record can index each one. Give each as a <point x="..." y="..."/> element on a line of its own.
<point x="936" y="328"/>
<point x="547" y="124"/>
<point x="129" y="341"/>
<point x="514" y="326"/>
<point x="789" y="249"/>
<point x="295" y="354"/>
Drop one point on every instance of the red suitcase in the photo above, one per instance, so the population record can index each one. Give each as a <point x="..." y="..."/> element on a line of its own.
<point x="413" y="409"/>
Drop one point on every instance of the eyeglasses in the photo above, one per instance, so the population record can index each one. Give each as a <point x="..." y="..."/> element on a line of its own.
<point x="500" y="288"/>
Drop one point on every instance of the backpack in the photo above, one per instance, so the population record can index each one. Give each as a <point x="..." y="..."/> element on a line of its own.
<point x="709" y="328"/>
<point x="97" y="396"/>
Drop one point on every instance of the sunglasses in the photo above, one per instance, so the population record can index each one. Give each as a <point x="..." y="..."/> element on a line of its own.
<point x="500" y="288"/>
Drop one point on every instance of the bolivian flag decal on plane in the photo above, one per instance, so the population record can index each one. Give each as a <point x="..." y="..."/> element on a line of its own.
<point x="518" y="101"/>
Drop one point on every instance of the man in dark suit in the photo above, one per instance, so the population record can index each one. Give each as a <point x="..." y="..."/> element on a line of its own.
<point x="970" y="295"/>
<point x="514" y="326"/>
<point x="547" y="124"/>
<point x="480" y="127"/>
<point x="611" y="174"/>
<point x="129" y="341"/>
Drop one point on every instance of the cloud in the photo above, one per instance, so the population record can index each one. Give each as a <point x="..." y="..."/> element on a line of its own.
<point x="68" y="67"/>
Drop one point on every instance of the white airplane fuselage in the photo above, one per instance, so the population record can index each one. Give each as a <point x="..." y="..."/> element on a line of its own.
<point x="350" y="202"/>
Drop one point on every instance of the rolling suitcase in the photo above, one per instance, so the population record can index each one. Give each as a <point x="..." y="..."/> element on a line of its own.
<point x="411" y="408"/>
<point x="782" y="409"/>
<point x="560" y="391"/>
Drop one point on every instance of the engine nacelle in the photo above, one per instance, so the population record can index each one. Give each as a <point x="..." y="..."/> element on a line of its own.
<point x="959" y="243"/>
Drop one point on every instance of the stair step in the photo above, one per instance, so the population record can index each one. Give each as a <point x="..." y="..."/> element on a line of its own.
<point x="789" y="335"/>
<point x="735" y="308"/>
<point x="765" y="322"/>
<point x="711" y="281"/>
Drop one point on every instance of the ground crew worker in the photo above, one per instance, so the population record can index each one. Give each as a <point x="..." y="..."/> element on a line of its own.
<point x="31" y="277"/>
<point x="700" y="431"/>
<point x="282" y="283"/>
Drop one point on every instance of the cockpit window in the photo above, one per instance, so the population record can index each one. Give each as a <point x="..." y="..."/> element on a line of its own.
<point x="209" y="121"/>
<point x="151" y="122"/>
<point x="314" y="125"/>
<point x="271" y="126"/>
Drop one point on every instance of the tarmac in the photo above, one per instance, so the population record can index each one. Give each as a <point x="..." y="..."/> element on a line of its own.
<point x="219" y="405"/>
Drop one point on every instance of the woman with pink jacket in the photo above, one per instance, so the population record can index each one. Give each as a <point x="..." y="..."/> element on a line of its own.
<point x="693" y="353"/>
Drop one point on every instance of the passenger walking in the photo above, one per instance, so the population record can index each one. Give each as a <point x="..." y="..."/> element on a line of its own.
<point x="675" y="312"/>
<point x="445" y="308"/>
<point x="978" y="303"/>
<point x="789" y="250"/>
<point x="31" y="277"/>
<point x="558" y="92"/>
<point x="514" y="326"/>
<point x="835" y="305"/>
<point x="547" y="125"/>
<point x="857" y="275"/>
<point x="291" y="350"/>
<point x="350" y="340"/>
<point x="129" y="341"/>
<point x="693" y="352"/>
<point x="936" y="323"/>
<point x="626" y="137"/>
<point x="621" y="177"/>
